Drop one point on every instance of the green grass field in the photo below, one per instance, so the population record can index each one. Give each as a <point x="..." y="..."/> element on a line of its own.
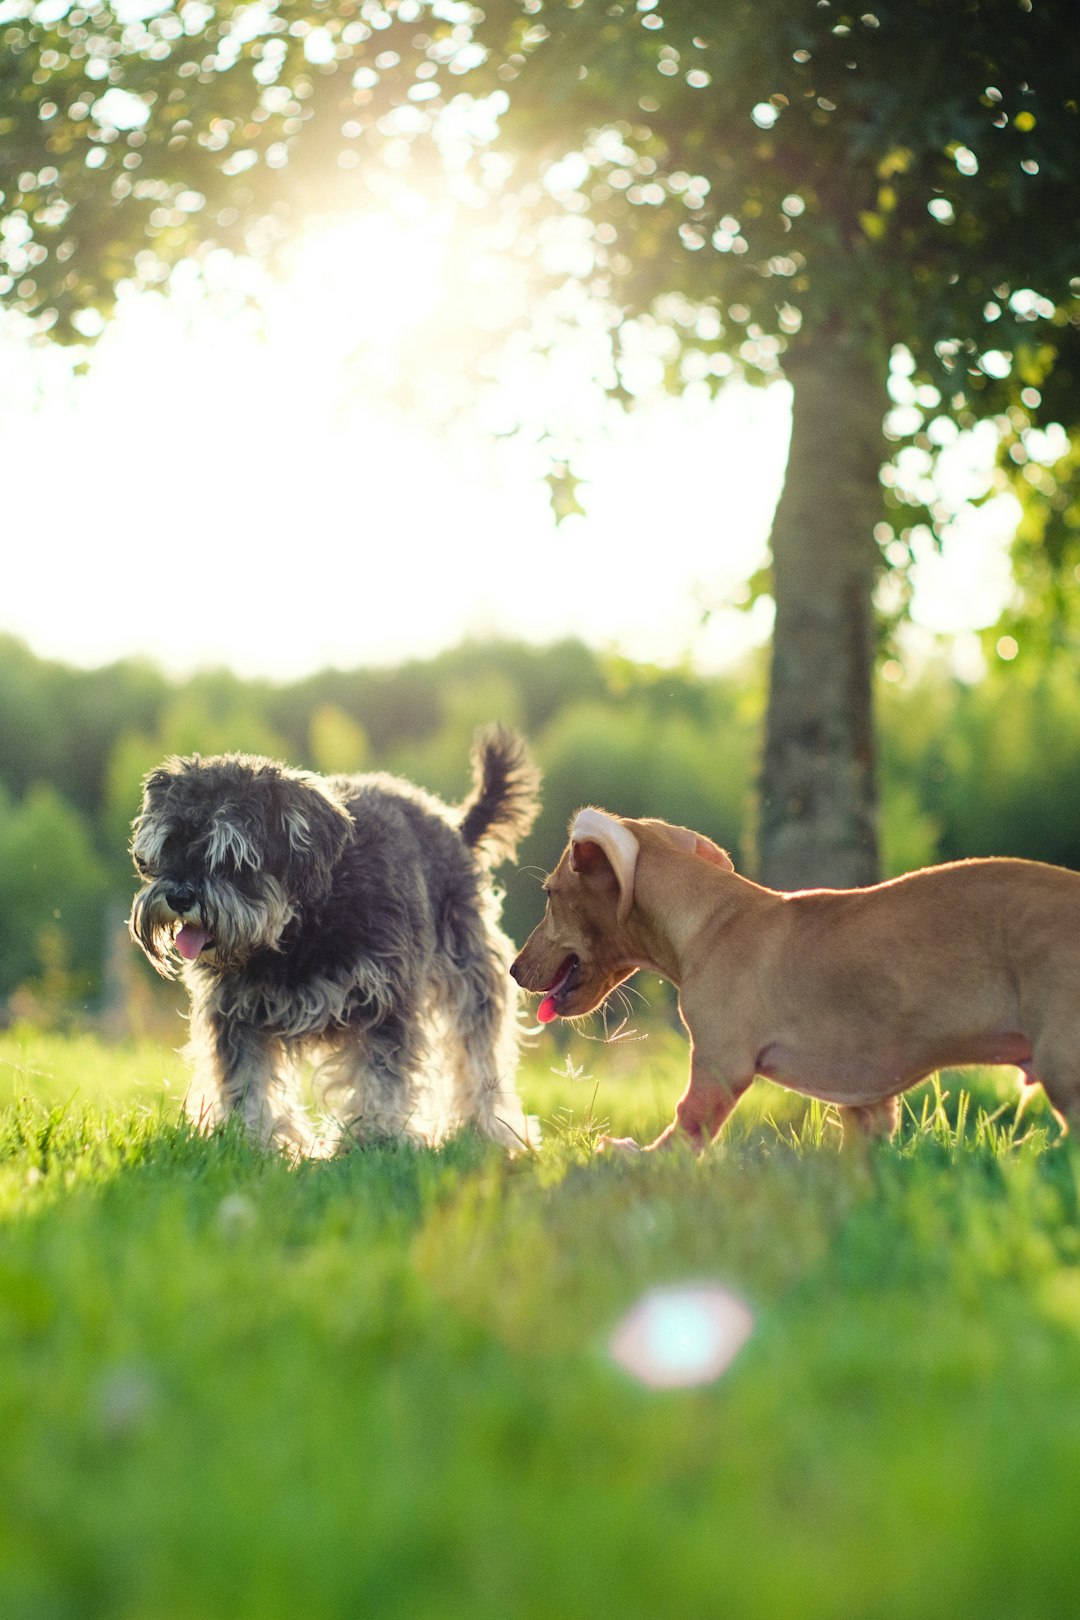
<point x="380" y="1386"/>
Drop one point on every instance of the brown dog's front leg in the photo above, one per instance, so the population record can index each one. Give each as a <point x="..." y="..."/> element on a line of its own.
<point x="701" y="1113"/>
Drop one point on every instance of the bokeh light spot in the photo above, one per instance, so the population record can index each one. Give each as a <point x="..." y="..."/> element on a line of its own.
<point x="678" y="1336"/>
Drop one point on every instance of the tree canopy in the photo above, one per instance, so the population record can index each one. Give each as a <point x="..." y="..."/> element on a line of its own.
<point x="907" y="173"/>
<point x="780" y="187"/>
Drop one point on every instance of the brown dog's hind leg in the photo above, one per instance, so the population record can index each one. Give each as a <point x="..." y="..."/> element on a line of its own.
<point x="1061" y="1082"/>
<point x="878" y="1119"/>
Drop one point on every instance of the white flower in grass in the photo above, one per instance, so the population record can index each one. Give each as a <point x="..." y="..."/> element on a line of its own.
<point x="236" y="1216"/>
<point x="125" y="1399"/>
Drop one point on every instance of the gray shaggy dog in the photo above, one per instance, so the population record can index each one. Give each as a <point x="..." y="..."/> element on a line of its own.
<point x="346" y="919"/>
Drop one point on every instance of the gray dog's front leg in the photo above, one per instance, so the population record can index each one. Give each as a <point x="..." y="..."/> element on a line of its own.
<point x="240" y="1070"/>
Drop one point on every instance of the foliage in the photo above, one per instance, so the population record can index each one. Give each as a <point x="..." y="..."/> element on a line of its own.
<point x="988" y="769"/>
<point x="780" y="163"/>
<point x="338" y="743"/>
<point x="52" y="886"/>
<point x="650" y="757"/>
<point x="59" y="724"/>
<point x="994" y="767"/>
<point x="417" y="720"/>
<point x="381" y="1385"/>
<point x="775" y="163"/>
<point x="1045" y="474"/>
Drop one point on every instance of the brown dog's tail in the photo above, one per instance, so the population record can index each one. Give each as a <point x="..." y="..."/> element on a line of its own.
<point x="505" y="799"/>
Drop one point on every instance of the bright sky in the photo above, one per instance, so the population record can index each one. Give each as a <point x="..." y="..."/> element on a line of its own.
<point x="213" y="493"/>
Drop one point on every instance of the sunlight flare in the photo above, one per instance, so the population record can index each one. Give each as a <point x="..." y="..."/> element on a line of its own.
<point x="679" y="1336"/>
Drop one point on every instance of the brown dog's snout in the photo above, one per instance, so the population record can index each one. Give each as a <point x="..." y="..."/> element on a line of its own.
<point x="524" y="971"/>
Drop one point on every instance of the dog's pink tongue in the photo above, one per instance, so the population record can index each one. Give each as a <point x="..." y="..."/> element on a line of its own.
<point x="546" y="1010"/>
<point x="190" y="941"/>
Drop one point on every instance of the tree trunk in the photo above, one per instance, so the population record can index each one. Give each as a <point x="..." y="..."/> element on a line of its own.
<point x="818" y="811"/>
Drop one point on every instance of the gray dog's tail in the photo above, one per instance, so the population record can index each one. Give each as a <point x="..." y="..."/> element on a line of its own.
<point x="505" y="798"/>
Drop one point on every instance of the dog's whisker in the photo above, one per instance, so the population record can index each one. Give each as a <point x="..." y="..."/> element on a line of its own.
<point x="627" y="990"/>
<point x="624" y="1001"/>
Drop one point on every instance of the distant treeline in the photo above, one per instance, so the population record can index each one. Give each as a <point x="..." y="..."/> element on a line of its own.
<point x="993" y="768"/>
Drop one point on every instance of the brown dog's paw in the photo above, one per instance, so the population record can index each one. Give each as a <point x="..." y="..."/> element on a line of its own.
<point x="618" y="1144"/>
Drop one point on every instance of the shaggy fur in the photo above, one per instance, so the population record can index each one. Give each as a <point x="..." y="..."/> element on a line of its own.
<point x="350" y="920"/>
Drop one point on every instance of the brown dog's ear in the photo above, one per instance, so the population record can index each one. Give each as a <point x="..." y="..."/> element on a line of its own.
<point x="599" y="843"/>
<point x="706" y="850"/>
<point x="694" y="843"/>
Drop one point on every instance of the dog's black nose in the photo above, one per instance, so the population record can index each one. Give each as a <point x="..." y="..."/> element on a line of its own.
<point x="180" y="896"/>
<point x="515" y="971"/>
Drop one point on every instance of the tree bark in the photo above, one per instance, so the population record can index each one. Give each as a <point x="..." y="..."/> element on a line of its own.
<point x="818" y="802"/>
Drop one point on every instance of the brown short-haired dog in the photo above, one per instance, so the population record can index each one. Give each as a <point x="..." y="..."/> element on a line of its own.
<point x="850" y="995"/>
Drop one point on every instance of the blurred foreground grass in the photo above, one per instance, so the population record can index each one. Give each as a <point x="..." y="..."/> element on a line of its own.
<point x="380" y="1386"/>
